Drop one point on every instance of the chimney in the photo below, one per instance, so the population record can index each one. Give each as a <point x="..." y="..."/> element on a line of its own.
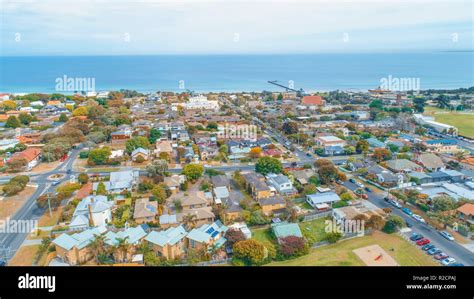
<point x="91" y="219"/>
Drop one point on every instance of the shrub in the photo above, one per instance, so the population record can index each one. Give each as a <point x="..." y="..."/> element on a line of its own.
<point x="292" y="246"/>
<point x="250" y="252"/>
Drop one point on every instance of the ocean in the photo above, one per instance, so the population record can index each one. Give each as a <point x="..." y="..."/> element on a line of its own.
<point x="232" y="73"/>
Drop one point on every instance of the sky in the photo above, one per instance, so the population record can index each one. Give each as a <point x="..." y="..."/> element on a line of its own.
<point x="151" y="27"/>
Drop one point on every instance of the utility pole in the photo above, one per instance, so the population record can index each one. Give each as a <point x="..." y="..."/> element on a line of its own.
<point x="49" y="205"/>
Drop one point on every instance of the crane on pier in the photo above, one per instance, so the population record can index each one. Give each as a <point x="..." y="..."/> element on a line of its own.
<point x="300" y="92"/>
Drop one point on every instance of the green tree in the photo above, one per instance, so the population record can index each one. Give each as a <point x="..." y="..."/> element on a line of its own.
<point x="99" y="156"/>
<point x="137" y="142"/>
<point x="101" y="190"/>
<point x="393" y="223"/>
<point x="193" y="171"/>
<point x="12" y="122"/>
<point x="362" y="146"/>
<point x="25" y="118"/>
<point x="267" y="165"/>
<point x="250" y="252"/>
<point x="83" y="178"/>
<point x="63" y="118"/>
<point x="443" y="203"/>
<point x="154" y="135"/>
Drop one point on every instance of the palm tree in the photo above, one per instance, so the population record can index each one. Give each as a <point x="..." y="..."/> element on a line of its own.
<point x="97" y="246"/>
<point x="459" y="155"/>
<point x="190" y="221"/>
<point x="122" y="248"/>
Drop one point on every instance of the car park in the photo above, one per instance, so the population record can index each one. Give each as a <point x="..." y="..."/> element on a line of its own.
<point x="427" y="247"/>
<point x="446" y="235"/>
<point x="433" y="251"/>
<point x="422" y="242"/>
<point x="448" y="261"/>
<point x="407" y="211"/>
<point x="440" y="256"/>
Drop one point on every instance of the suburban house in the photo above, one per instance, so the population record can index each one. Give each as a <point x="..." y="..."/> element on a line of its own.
<point x="255" y="183"/>
<point x="448" y="146"/>
<point x="403" y="165"/>
<point x="174" y="182"/>
<point x="32" y="155"/>
<point x="431" y="162"/>
<point x="272" y="205"/>
<point x="94" y="210"/>
<point x="285" y="229"/>
<point x="390" y="179"/>
<point x="242" y="226"/>
<point x="73" y="249"/>
<point x="202" y="215"/>
<point x="360" y="207"/>
<point x="120" y="181"/>
<point x="220" y="180"/>
<point x="163" y="147"/>
<point x="281" y="183"/>
<point x="220" y="194"/>
<point x="314" y="101"/>
<point x="466" y="213"/>
<point x="169" y="243"/>
<point x="145" y="210"/>
<point x="131" y="235"/>
<point x="302" y="176"/>
<point x="140" y="152"/>
<point x="121" y="135"/>
<point x="167" y="221"/>
<point x="194" y="200"/>
<point x="332" y="145"/>
<point x="322" y="201"/>
<point x="207" y="236"/>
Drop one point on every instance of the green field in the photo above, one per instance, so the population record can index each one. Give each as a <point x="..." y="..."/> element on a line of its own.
<point x="340" y="254"/>
<point x="463" y="121"/>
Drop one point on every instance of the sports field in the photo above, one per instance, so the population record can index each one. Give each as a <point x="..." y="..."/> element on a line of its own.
<point x="464" y="121"/>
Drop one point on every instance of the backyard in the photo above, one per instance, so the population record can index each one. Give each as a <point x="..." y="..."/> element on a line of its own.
<point x="341" y="253"/>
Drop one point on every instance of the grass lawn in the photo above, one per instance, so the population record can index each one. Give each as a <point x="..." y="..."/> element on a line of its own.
<point x="24" y="256"/>
<point x="314" y="231"/>
<point x="46" y="220"/>
<point x="463" y="121"/>
<point x="9" y="205"/>
<point x="340" y="254"/>
<point x="263" y="234"/>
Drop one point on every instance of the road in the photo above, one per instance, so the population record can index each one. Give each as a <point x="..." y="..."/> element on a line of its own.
<point x="453" y="249"/>
<point x="30" y="210"/>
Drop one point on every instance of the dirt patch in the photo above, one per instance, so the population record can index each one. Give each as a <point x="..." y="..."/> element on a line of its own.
<point x="24" y="256"/>
<point x="374" y="255"/>
<point x="9" y="205"/>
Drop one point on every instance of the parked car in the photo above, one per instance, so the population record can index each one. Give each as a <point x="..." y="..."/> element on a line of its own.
<point x="418" y="218"/>
<point x="440" y="256"/>
<point x="448" y="261"/>
<point x="368" y="189"/>
<point x="433" y="251"/>
<point x="395" y="204"/>
<point x="387" y="199"/>
<point x="446" y="235"/>
<point x="339" y="182"/>
<point x="408" y="224"/>
<point x="416" y="237"/>
<point x="360" y="185"/>
<point x="407" y="211"/>
<point x="422" y="242"/>
<point x="427" y="247"/>
<point x="55" y="183"/>
<point x="352" y="180"/>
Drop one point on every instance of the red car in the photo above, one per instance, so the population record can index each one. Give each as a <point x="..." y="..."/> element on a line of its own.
<point x="422" y="242"/>
<point x="441" y="256"/>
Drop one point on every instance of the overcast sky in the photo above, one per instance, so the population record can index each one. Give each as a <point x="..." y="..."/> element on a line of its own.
<point x="106" y="27"/>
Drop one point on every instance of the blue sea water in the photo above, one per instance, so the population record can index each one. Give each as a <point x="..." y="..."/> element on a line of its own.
<point x="201" y="73"/>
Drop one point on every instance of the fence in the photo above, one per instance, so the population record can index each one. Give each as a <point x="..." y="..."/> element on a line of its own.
<point x="313" y="216"/>
<point x="208" y="263"/>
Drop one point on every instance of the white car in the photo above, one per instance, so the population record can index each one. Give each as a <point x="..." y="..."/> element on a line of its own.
<point x="418" y="218"/>
<point x="447" y="235"/>
<point x="395" y="204"/>
<point x="448" y="261"/>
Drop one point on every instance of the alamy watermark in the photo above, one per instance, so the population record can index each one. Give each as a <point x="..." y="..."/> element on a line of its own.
<point x="247" y="132"/>
<point x="400" y="84"/>
<point x="9" y="226"/>
<point x="356" y="227"/>
<point x="75" y="84"/>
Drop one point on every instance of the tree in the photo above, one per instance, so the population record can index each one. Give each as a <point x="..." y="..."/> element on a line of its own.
<point x="83" y="178"/>
<point x="137" y="142"/>
<point x="443" y="203"/>
<point x="393" y="223"/>
<point x="234" y="235"/>
<point x="189" y="221"/>
<point x="8" y="105"/>
<point x="17" y="164"/>
<point x="250" y="252"/>
<point x="382" y="154"/>
<point x="159" y="193"/>
<point x="122" y="249"/>
<point x="178" y="205"/>
<point x="267" y="165"/>
<point x="101" y="190"/>
<point x="419" y="104"/>
<point x="290" y="127"/>
<point x="63" y="118"/>
<point x="328" y="173"/>
<point x="255" y="152"/>
<point x="193" y="171"/>
<point x="309" y="189"/>
<point x="154" y="135"/>
<point x="376" y="104"/>
<point x="375" y="222"/>
<point x="80" y="111"/>
<point x="15" y="185"/>
<point x="25" y="118"/>
<point x="362" y="146"/>
<point x="12" y="122"/>
<point x="157" y="168"/>
<point x="212" y="126"/>
<point x="349" y="150"/>
<point x="291" y="246"/>
<point x="99" y="156"/>
<point x="333" y="237"/>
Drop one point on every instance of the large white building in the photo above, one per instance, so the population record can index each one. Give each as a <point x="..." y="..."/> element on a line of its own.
<point x="201" y="102"/>
<point x="439" y="127"/>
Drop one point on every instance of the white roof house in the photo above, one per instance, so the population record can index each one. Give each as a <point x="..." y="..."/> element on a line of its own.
<point x="322" y="198"/>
